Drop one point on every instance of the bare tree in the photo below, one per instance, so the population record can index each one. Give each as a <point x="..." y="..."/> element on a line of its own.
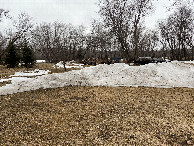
<point x="2" y="37"/>
<point x="21" y="30"/>
<point x="123" y="18"/>
<point x="178" y="32"/>
<point x="42" y="41"/>
<point x="140" y="9"/>
<point x="4" y="13"/>
<point x="101" y="39"/>
<point x="58" y="41"/>
<point x="2" y="47"/>
<point x="117" y="16"/>
<point x="148" y="43"/>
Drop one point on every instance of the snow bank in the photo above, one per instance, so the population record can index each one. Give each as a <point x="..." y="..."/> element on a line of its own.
<point x="68" y="65"/>
<point x="23" y="75"/>
<point x="172" y="74"/>
<point x="36" y="72"/>
<point x="192" y="62"/>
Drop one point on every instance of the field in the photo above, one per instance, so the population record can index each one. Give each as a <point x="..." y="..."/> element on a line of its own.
<point x="76" y="115"/>
<point x="100" y="115"/>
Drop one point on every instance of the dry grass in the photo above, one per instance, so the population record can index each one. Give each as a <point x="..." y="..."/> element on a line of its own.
<point x="98" y="115"/>
<point x="190" y="64"/>
<point x="4" y="83"/>
<point x="6" y="72"/>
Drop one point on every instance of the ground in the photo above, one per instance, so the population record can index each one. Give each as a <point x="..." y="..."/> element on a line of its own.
<point x="6" y="72"/>
<point x="75" y="115"/>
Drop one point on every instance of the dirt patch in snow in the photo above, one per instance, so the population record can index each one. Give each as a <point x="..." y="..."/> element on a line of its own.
<point x="98" y="115"/>
<point x="4" y="83"/>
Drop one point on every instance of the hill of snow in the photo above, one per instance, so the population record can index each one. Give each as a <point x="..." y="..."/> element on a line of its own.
<point x="162" y="75"/>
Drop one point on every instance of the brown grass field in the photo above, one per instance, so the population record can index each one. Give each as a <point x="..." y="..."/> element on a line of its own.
<point x="98" y="116"/>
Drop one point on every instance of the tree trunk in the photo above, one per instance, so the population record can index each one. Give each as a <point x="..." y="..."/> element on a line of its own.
<point x="192" y="52"/>
<point x="135" y="41"/>
<point x="64" y="66"/>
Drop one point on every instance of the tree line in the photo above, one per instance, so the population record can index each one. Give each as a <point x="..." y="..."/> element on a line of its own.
<point x="120" y="33"/>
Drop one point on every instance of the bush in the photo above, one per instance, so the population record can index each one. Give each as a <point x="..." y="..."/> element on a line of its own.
<point x="27" y="56"/>
<point x="12" y="58"/>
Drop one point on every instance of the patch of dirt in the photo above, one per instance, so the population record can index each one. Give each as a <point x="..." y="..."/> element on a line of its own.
<point x="98" y="116"/>
<point x="4" y="83"/>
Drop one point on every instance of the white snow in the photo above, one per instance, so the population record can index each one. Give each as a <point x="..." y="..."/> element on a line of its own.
<point x="36" y="72"/>
<point x="162" y="75"/>
<point x="40" y="61"/>
<point x="20" y="76"/>
<point x="192" y="62"/>
<point x="68" y="65"/>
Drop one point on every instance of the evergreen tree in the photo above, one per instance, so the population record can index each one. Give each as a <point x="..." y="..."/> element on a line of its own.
<point x="80" y="54"/>
<point x="12" y="58"/>
<point x="27" y="56"/>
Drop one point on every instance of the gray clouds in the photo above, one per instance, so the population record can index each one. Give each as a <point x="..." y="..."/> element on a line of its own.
<point x="76" y="12"/>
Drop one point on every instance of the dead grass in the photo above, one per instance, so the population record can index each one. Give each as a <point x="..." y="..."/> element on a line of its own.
<point x="6" y="72"/>
<point x="190" y="64"/>
<point x="4" y="83"/>
<point x="98" y="115"/>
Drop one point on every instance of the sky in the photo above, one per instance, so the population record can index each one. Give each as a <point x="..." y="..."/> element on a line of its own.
<point x="77" y="12"/>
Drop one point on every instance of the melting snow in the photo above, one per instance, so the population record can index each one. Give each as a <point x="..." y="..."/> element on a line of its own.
<point x="167" y="75"/>
<point x="68" y="65"/>
<point x="192" y="62"/>
<point x="40" y="61"/>
<point x="36" y="72"/>
<point x="20" y="76"/>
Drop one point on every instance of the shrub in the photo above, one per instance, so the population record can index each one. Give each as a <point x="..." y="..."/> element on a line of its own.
<point x="12" y="58"/>
<point x="27" y="56"/>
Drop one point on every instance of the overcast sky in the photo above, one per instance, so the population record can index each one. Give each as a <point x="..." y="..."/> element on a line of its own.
<point x="70" y="11"/>
<point x="77" y="12"/>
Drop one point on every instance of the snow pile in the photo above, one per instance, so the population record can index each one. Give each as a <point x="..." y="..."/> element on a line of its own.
<point x="20" y="76"/>
<point x="192" y="62"/>
<point x="172" y="74"/>
<point x="68" y="65"/>
<point x="36" y="72"/>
